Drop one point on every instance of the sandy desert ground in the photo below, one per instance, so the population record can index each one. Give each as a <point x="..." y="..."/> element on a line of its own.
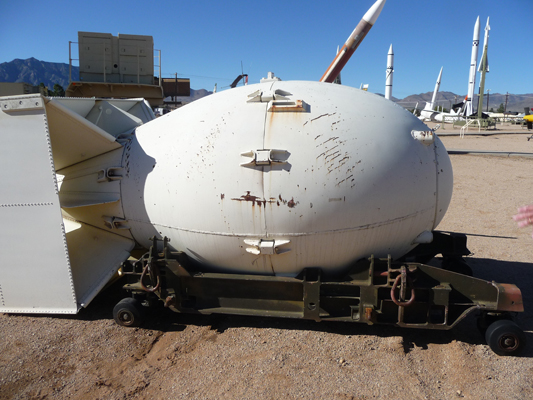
<point x="173" y="356"/>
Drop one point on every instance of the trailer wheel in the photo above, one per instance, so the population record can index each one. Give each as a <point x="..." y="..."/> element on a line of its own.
<point x="129" y="312"/>
<point x="505" y="338"/>
<point x="486" y="319"/>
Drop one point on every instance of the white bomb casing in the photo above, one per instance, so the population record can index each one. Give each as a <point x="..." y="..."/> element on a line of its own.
<point x="275" y="177"/>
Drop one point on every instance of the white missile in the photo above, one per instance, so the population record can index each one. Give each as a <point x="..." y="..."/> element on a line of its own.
<point x="428" y="112"/>
<point x="483" y="68"/>
<point x="265" y="179"/>
<point x="436" y="90"/>
<point x="484" y="56"/>
<point x="389" y="73"/>
<point x="473" y="68"/>
<point x="353" y="41"/>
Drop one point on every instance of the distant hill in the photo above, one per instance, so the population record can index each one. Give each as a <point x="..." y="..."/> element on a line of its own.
<point x="34" y="72"/>
<point x="442" y="98"/>
<point x="515" y="102"/>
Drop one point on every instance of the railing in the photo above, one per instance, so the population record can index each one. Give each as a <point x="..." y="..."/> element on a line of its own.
<point x="70" y="59"/>
<point x="468" y="123"/>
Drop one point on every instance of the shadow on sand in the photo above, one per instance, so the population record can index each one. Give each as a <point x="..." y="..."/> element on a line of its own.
<point x="164" y="320"/>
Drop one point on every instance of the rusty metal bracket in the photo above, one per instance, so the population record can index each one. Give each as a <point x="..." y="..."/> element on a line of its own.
<point x="403" y="289"/>
<point x="287" y="106"/>
<point x="151" y="267"/>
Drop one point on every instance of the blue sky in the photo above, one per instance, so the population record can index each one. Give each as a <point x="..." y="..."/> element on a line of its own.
<point x="206" y="41"/>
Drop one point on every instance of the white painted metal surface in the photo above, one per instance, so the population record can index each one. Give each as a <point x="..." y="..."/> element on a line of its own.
<point x="51" y="265"/>
<point x="35" y="273"/>
<point x="472" y="74"/>
<point x="352" y="181"/>
<point x="267" y="179"/>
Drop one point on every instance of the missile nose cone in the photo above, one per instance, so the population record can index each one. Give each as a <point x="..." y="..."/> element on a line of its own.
<point x="487" y="27"/>
<point x="373" y="12"/>
<point x="391" y="51"/>
<point x="353" y="42"/>
<point x="476" y="29"/>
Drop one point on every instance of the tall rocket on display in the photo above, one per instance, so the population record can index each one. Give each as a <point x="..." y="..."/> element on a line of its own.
<point x="473" y="68"/>
<point x="428" y="111"/>
<point x="484" y="63"/>
<point x="389" y="73"/>
<point x="436" y="90"/>
<point x="483" y="68"/>
<point x="353" y="41"/>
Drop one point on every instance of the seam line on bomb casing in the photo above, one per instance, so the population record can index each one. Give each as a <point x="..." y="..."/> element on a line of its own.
<point x="357" y="228"/>
<point x="269" y="259"/>
<point x="263" y="168"/>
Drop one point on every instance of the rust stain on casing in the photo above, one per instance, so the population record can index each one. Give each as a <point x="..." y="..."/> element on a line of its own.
<point x="253" y="199"/>
<point x="289" y="203"/>
<point x="290" y="106"/>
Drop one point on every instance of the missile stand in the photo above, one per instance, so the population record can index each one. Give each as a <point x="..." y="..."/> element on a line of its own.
<point x="404" y="293"/>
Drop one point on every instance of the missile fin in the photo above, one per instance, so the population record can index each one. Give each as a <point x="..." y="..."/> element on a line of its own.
<point x="45" y="141"/>
<point x="97" y="258"/>
<point x="74" y="138"/>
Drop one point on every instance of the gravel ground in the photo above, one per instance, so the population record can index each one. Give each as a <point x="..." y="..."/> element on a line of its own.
<point x="174" y="356"/>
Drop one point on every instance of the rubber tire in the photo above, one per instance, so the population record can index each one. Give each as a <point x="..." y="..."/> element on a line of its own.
<point x="485" y="320"/>
<point x="502" y="331"/>
<point x="129" y="312"/>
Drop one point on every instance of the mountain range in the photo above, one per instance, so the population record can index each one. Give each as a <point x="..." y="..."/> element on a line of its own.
<point x="515" y="102"/>
<point x="34" y="72"/>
